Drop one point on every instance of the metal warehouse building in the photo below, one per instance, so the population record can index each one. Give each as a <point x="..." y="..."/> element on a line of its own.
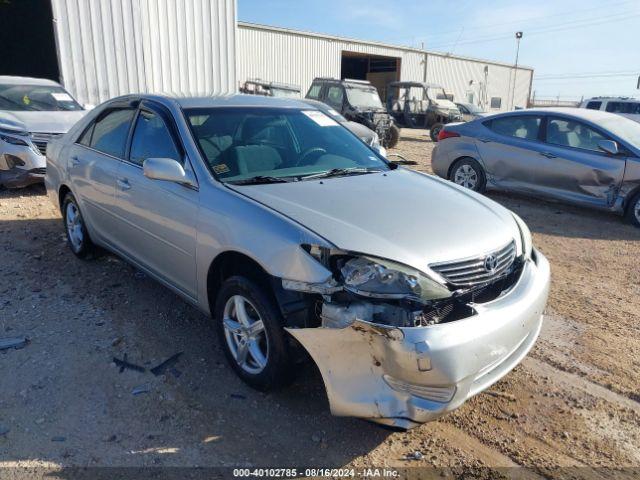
<point x="291" y="56"/>
<point x="102" y="49"/>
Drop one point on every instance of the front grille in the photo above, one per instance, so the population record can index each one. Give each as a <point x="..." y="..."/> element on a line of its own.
<point x="474" y="271"/>
<point x="40" y="140"/>
<point x="38" y="171"/>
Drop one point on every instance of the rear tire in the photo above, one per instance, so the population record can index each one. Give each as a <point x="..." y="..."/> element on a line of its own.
<point x="77" y="235"/>
<point x="435" y="130"/>
<point x="632" y="213"/>
<point x="249" y="325"/>
<point x="468" y="173"/>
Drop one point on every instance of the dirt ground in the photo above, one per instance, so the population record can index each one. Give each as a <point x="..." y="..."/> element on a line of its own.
<point x="573" y="403"/>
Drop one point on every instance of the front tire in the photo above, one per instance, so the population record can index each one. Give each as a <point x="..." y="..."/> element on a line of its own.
<point x="468" y="173"/>
<point x="393" y="136"/>
<point x="77" y="235"/>
<point x="632" y="214"/>
<point x="249" y="325"/>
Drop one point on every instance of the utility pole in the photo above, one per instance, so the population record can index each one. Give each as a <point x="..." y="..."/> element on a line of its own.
<point x="515" y="74"/>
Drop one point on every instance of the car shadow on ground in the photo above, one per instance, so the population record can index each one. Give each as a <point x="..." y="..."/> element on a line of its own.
<point x="80" y="315"/>
<point x="29" y="191"/>
<point x="417" y="139"/>
<point x="562" y="220"/>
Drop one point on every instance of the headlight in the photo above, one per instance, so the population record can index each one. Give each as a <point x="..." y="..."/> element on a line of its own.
<point x="525" y="236"/>
<point x="374" y="277"/>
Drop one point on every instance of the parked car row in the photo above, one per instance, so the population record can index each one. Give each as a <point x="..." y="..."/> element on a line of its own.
<point x="271" y="216"/>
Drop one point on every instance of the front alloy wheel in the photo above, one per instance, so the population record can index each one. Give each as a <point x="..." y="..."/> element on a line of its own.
<point x="245" y="335"/>
<point x="633" y="211"/>
<point x="250" y="327"/>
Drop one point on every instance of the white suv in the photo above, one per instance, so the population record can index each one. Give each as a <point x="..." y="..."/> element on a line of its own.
<point x="625" y="106"/>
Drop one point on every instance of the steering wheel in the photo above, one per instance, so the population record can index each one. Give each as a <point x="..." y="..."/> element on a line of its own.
<point x="307" y="153"/>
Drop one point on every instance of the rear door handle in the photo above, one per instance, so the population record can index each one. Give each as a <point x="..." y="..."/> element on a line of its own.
<point x="123" y="184"/>
<point x="548" y="155"/>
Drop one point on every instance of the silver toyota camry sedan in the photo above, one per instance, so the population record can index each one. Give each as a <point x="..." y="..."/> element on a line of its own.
<point x="290" y="232"/>
<point x="579" y="156"/>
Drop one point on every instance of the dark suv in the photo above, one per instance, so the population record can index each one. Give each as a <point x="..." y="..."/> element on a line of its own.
<point x="358" y="101"/>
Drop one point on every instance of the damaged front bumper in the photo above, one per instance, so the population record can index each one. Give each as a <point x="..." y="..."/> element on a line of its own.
<point x="405" y="376"/>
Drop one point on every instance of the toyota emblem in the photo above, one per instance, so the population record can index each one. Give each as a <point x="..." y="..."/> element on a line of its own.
<point x="490" y="263"/>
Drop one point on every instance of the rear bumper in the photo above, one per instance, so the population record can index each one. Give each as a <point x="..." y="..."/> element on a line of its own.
<point x="408" y="376"/>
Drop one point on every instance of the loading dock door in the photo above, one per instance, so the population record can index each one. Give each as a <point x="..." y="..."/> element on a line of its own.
<point x="26" y="39"/>
<point x="379" y="70"/>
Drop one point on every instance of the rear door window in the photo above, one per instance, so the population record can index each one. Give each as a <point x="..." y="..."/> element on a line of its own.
<point x="594" y="105"/>
<point x="110" y="132"/>
<point x="623" y="107"/>
<point x="526" y="127"/>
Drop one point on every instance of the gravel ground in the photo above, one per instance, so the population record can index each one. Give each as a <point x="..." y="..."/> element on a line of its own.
<point x="573" y="402"/>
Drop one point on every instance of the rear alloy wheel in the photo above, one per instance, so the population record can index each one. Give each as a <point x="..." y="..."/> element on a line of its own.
<point x="468" y="173"/>
<point x="250" y="327"/>
<point x="435" y="131"/>
<point x="77" y="235"/>
<point x="632" y="213"/>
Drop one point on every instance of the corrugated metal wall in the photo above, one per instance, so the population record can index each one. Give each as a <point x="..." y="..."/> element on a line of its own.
<point x="108" y="48"/>
<point x="295" y="57"/>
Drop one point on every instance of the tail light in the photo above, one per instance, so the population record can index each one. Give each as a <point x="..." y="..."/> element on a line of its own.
<point x="446" y="134"/>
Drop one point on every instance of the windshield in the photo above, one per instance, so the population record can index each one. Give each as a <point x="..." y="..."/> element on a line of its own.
<point x="363" y="97"/>
<point x="245" y="143"/>
<point x="473" y="108"/>
<point x="436" y="93"/>
<point x="282" y="93"/>
<point x="626" y="129"/>
<point x="40" y="98"/>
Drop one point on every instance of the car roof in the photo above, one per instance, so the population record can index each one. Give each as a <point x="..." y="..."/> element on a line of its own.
<point x="236" y="100"/>
<point x="11" y="80"/>
<point x="582" y="113"/>
<point x="415" y="84"/>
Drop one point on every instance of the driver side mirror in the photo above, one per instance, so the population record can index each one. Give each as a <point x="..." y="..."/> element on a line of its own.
<point x="166" y="169"/>
<point x="609" y="146"/>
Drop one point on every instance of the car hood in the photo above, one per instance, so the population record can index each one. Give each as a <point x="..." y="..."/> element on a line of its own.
<point x="40" y="122"/>
<point x="400" y="215"/>
<point x="365" y="134"/>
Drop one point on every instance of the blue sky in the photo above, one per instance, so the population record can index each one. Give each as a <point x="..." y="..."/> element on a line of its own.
<point x="577" y="47"/>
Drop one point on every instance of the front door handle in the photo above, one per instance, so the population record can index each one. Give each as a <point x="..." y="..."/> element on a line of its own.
<point x="75" y="161"/>
<point x="123" y="184"/>
<point x="485" y="140"/>
<point x="548" y="155"/>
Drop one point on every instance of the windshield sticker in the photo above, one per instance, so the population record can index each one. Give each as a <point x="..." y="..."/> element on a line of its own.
<point x="320" y="118"/>
<point x="26" y="100"/>
<point x="220" y="168"/>
<point x="62" y="97"/>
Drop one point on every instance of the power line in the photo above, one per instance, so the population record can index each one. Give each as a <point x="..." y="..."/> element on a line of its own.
<point x="556" y="28"/>
<point x="586" y="74"/>
<point x="573" y="13"/>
